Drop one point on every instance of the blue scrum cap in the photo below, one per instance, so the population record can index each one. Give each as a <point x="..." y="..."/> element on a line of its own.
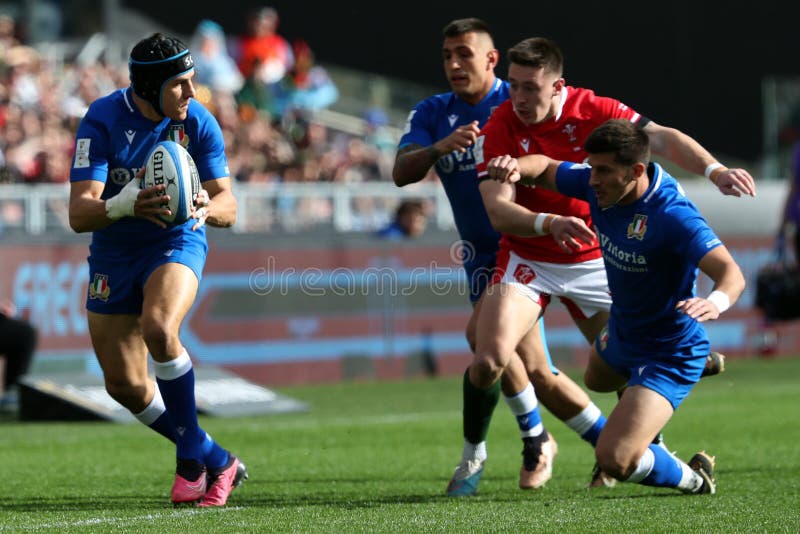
<point x="153" y="62"/>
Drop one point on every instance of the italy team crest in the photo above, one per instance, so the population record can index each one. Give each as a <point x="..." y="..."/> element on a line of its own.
<point x="638" y="227"/>
<point x="178" y="135"/>
<point x="99" y="288"/>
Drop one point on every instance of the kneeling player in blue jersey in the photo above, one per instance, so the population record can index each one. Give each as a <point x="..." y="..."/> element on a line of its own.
<point x="143" y="275"/>
<point x="653" y="241"/>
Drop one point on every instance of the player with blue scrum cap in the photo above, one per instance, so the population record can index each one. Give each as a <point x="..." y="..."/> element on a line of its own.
<point x="143" y="275"/>
<point x="653" y="240"/>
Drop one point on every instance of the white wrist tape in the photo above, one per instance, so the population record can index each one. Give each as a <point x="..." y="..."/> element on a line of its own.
<point x="538" y="223"/>
<point x="121" y="205"/>
<point x="713" y="167"/>
<point x="720" y="299"/>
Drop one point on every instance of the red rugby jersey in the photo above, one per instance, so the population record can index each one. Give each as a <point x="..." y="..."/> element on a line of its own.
<point x="560" y="137"/>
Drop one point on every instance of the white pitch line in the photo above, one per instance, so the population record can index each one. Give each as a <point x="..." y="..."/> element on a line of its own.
<point x="115" y="521"/>
<point x="388" y="419"/>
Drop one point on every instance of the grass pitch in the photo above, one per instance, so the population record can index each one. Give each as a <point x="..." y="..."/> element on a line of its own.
<point x="376" y="457"/>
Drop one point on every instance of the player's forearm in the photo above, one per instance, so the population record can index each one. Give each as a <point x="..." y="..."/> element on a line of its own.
<point x="731" y="283"/>
<point x="88" y="215"/>
<point x="222" y="209"/>
<point x="533" y="165"/>
<point x="538" y="170"/>
<point x="413" y="165"/>
<point x="509" y="217"/>
<point x="680" y="149"/>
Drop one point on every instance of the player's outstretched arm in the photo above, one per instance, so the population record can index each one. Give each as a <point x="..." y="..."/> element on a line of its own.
<point x="729" y="283"/>
<point x="413" y="162"/>
<point x="540" y="169"/>
<point x="532" y="170"/>
<point x="689" y="155"/>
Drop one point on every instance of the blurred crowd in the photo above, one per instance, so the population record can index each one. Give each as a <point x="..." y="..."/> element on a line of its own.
<point x="263" y="90"/>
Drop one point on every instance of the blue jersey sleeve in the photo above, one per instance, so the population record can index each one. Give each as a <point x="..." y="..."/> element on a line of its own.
<point x="209" y="152"/>
<point x="572" y="180"/>
<point x="693" y="237"/>
<point x="419" y="128"/>
<point x="90" y="160"/>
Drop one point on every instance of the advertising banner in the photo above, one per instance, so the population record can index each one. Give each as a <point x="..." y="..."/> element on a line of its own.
<point x="329" y="312"/>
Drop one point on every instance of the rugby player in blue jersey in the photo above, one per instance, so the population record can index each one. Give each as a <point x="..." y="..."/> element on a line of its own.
<point x="439" y="135"/>
<point x="653" y="240"/>
<point x="143" y="275"/>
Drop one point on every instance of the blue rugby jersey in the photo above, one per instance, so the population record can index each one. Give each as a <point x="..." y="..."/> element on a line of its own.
<point x="435" y="118"/>
<point x="112" y="143"/>
<point x="651" y="250"/>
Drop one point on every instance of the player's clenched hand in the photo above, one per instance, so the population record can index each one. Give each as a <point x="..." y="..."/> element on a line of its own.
<point x="150" y="201"/>
<point x="735" y="182"/>
<point x="462" y="138"/>
<point x="570" y="232"/>
<point x="200" y="208"/>
<point x="504" y="169"/>
<point x="698" y="308"/>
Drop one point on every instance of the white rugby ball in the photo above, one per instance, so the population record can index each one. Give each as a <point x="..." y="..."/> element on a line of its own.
<point x="170" y="164"/>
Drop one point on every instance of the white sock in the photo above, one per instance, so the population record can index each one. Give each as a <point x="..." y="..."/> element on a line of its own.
<point x="584" y="420"/>
<point x="474" y="451"/>
<point x="524" y="403"/>
<point x="174" y="368"/>
<point x="644" y="467"/>
<point x="690" y="481"/>
<point x="153" y="410"/>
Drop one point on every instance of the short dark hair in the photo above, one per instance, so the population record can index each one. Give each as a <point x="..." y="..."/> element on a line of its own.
<point x="537" y="52"/>
<point x="410" y="207"/>
<point x="627" y="141"/>
<point x="154" y="61"/>
<point x="469" y="25"/>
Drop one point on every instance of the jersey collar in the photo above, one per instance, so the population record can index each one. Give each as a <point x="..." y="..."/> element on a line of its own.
<point x="655" y="172"/>
<point x="126" y="96"/>
<point x="562" y="99"/>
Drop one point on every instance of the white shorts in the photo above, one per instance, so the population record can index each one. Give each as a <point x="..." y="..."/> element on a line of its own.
<point x="582" y="287"/>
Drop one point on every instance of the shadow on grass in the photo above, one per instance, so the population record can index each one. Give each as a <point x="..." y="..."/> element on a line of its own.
<point x="350" y="498"/>
<point x="80" y="503"/>
<point x="346" y="493"/>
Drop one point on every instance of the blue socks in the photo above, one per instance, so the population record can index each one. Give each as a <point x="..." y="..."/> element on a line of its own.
<point x="667" y="470"/>
<point x="175" y="380"/>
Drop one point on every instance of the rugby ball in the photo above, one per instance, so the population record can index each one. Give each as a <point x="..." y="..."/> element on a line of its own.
<point x="170" y="164"/>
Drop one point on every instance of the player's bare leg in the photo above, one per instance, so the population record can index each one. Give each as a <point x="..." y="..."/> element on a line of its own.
<point x="507" y="316"/>
<point x="562" y="395"/>
<point x="122" y="355"/>
<point x="625" y="449"/>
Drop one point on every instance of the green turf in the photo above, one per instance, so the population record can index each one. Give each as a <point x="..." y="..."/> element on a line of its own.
<point x="376" y="457"/>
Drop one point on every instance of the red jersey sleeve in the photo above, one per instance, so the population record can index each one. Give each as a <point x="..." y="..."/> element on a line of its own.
<point x="603" y="108"/>
<point x="495" y="139"/>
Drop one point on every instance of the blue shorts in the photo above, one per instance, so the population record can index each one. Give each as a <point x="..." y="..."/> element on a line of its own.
<point x="117" y="277"/>
<point x="672" y="376"/>
<point x="479" y="273"/>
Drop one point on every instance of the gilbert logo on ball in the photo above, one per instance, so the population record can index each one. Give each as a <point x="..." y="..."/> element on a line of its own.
<point x="171" y="165"/>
